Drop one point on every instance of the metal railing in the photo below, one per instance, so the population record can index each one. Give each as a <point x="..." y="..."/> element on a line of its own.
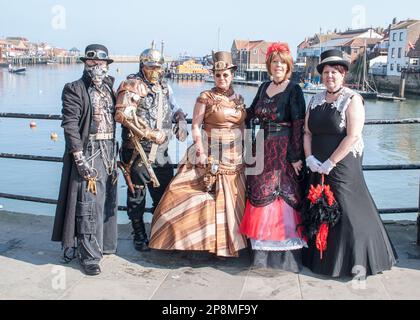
<point x="401" y="167"/>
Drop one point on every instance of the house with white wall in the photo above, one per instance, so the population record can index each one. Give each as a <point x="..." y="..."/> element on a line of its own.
<point x="402" y="38"/>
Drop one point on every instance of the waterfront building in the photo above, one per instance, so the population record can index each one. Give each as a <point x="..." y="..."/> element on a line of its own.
<point x="402" y="38"/>
<point x="191" y="67"/>
<point x="74" y="52"/>
<point x="18" y="46"/>
<point x="351" y="42"/>
<point x="249" y="56"/>
<point x="414" y="56"/>
<point x="378" y="65"/>
<point x="4" y="46"/>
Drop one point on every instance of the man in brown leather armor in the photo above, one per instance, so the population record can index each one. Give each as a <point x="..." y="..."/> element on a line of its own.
<point x="146" y="109"/>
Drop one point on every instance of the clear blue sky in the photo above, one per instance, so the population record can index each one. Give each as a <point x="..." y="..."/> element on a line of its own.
<point x="128" y="26"/>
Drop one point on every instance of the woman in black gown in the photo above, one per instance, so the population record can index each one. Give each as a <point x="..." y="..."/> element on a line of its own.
<point x="358" y="244"/>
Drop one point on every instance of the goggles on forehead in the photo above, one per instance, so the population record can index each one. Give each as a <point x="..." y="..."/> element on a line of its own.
<point x="99" y="54"/>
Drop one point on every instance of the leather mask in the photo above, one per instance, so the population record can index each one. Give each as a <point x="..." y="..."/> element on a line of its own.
<point x="153" y="76"/>
<point x="97" y="73"/>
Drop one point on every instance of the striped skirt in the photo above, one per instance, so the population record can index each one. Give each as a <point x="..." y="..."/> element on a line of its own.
<point x="189" y="218"/>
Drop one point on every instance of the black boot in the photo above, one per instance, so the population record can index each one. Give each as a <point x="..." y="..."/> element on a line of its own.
<point x="141" y="242"/>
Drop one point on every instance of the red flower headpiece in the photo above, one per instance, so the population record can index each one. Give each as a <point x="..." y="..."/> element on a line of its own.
<point x="277" y="47"/>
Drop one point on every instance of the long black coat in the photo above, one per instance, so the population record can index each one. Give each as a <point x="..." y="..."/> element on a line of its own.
<point x="77" y="119"/>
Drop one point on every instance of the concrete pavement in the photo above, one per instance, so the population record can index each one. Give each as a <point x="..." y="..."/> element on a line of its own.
<point x="30" y="268"/>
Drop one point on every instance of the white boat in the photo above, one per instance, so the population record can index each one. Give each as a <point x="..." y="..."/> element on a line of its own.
<point x="310" y="88"/>
<point x="209" y="79"/>
<point x="16" y="70"/>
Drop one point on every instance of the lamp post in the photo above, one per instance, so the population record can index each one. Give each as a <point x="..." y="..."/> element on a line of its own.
<point x="240" y="61"/>
<point x="418" y="220"/>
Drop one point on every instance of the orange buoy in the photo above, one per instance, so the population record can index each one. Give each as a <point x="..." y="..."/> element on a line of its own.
<point x="32" y="124"/>
<point x="54" y="136"/>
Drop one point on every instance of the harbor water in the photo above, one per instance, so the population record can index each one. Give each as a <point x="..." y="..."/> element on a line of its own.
<point x="39" y="91"/>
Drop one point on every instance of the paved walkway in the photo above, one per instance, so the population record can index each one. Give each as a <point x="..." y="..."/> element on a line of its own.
<point x="30" y="268"/>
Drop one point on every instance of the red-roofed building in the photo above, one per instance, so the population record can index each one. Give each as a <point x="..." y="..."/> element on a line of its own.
<point x="18" y="46"/>
<point x="355" y="47"/>
<point x="249" y="56"/>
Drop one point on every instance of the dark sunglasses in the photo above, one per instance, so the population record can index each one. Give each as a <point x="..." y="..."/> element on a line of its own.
<point x="97" y="54"/>
<point x="225" y="75"/>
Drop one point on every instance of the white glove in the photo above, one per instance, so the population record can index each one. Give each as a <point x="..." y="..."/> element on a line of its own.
<point x="313" y="163"/>
<point x="326" y="167"/>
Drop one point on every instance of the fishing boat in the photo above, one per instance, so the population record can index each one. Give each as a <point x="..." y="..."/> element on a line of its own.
<point x="368" y="95"/>
<point x="367" y="89"/>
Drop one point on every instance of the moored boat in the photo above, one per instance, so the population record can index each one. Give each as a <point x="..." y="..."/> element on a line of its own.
<point x="16" y="70"/>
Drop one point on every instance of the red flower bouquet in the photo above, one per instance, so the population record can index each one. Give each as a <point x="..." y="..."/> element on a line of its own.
<point x="322" y="213"/>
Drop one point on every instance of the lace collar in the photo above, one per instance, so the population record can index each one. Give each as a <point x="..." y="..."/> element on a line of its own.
<point x="341" y="103"/>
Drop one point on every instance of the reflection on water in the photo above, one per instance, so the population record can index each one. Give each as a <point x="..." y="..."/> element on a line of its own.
<point x="39" y="91"/>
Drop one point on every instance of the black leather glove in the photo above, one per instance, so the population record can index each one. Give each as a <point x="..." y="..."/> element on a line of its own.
<point x="181" y="127"/>
<point x="83" y="167"/>
<point x="143" y="174"/>
<point x="181" y="130"/>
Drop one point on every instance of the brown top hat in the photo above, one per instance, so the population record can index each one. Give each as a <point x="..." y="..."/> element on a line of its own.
<point x="222" y="60"/>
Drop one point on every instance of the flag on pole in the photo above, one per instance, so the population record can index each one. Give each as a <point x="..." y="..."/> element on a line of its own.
<point x="411" y="45"/>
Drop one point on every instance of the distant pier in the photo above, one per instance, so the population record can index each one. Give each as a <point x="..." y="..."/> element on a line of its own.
<point x="22" y="60"/>
<point x="125" y="59"/>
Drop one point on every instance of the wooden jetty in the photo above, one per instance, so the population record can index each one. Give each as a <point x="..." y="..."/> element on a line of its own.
<point x="389" y="97"/>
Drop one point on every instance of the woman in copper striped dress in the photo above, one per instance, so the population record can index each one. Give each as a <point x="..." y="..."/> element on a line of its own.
<point x="204" y="204"/>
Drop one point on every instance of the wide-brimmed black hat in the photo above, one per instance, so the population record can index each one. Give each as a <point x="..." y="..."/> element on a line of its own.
<point x="332" y="57"/>
<point x="96" y="52"/>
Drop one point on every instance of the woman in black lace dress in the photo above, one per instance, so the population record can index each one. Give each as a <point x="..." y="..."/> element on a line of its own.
<point x="274" y="195"/>
<point x="358" y="244"/>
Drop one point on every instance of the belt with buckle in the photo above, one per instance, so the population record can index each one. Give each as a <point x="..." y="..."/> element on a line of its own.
<point x="277" y="129"/>
<point x="102" y="136"/>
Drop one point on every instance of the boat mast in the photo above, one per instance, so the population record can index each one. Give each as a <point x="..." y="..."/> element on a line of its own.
<point x="364" y="68"/>
<point x="218" y="39"/>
